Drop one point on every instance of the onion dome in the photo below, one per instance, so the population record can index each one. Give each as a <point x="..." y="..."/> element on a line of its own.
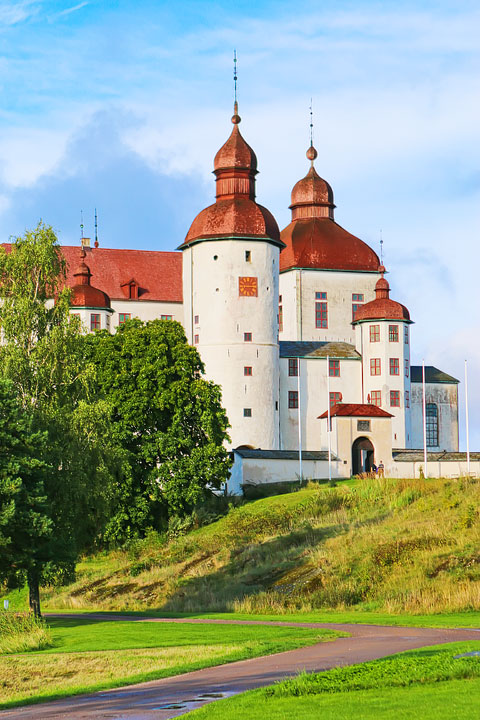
<point x="382" y="308"/>
<point x="235" y="212"/>
<point x="83" y="294"/>
<point x="313" y="239"/>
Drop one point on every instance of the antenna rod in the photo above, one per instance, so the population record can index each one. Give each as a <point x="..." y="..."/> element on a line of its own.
<point x="381" y="247"/>
<point x="311" y="122"/>
<point x="96" y="229"/>
<point x="81" y="224"/>
<point x="235" y="76"/>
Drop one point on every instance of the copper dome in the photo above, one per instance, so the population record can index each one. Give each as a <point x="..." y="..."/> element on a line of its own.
<point x="235" y="212"/>
<point x="82" y="293"/>
<point x="382" y="308"/>
<point x="313" y="239"/>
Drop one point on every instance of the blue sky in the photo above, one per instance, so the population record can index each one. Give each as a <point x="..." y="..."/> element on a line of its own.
<point x="122" y="106"/>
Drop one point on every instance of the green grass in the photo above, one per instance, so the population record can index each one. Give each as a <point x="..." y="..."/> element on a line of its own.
<point x="90" y="654"/>
<point x="382" y="547"/>
<point x="22" y="632"/>
<point x="427" y="683"/>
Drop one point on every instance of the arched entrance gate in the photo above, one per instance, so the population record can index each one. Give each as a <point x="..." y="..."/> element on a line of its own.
<point x="363" y="456"/>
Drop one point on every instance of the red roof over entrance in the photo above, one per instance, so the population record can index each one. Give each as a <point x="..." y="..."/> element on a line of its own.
<point x="354" y="410"/>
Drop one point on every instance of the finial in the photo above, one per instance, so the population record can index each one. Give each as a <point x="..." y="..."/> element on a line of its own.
<point x="311" y="152"/>
<point x="81" y="225"/>
<point x="96" y="229"/>
<point x="381" y="248"/>
<point x="236" y="117"/>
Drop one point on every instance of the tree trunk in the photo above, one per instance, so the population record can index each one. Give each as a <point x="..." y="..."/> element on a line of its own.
<point x="34" y="593"/>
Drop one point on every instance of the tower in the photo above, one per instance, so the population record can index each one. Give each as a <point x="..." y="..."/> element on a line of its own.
<point x="230" y="289"/>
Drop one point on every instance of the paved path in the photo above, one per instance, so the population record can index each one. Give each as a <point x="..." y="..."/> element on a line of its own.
<point x="171" y="697"/>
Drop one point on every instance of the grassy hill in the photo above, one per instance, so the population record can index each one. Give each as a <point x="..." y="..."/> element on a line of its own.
<point x="387" y="545"/>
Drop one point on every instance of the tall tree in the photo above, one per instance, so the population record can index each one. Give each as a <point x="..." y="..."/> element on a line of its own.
<point x="43" y="356"/>
<point x="167" y="418"/>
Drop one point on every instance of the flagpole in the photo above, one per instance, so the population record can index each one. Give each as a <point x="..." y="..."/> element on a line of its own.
<point x="329" y="421"/>
<point x="424" y="421"/>
<point x="466" y="419"/>
<point x="300" y="469"/>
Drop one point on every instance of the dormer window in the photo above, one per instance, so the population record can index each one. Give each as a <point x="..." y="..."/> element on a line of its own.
<point x="130" y="289"/>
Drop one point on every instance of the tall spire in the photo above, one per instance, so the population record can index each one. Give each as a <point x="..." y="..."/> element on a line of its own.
<point x="236" y="117"/>
<point x="311" y="152"/>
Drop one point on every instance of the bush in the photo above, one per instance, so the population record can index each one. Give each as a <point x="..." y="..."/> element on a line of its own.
<point x="22" y="632"/>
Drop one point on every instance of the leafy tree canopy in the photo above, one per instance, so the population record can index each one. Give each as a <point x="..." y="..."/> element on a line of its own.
<point x="165" y="416"/>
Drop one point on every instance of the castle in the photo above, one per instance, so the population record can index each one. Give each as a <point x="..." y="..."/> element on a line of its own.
<point x="297" y="327"/>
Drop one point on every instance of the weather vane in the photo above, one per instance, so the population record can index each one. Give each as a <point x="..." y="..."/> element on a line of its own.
<point x="235" y="74"/>
<point x="311" y="121"/>
<point x="81" y="223"/>
<point x="381" y="247"/>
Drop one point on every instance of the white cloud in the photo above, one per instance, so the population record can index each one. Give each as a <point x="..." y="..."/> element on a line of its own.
<point x="12" y="13"/>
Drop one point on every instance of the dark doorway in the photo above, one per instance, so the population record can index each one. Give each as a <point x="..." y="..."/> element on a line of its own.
<point x="363" y="456"/>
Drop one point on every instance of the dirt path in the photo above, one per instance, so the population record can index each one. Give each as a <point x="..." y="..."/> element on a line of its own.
<point x="171" y="697"/>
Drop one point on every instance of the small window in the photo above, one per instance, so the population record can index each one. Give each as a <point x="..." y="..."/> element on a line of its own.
<point x="247" y="412"/>
<point x="196" y="319"/>
<point x="407" y="399"/>
<point x="247" y="337"/>
<point x="393" y="333"/>
<point x="374" y="333"/>
<point x="279" y="298"/>
<point x="355" y="309"/>
<point x="248" y="256"/>
<point x="293" y="367"/>
<point x="406" y="334"/>
<point x="196" y="339"/>
<point x="394" y="366"/>
<point x="363" y="425"/>
<point x="321" y="311"/>
<point x="334" y="368"/>
<point x="123" y="317"/>
<point x="94" y="321"/>
<point x="375" y="366"/>
<point x="407" y="368"/>
<point x="376" y="398"/>
<point x="320" y="296"/>
<point x="280" y="318"/>
<point x="293" y="399"/>
<point x="432" y="425"/>
<point x="394" y="398"/>
<point x="166" y="317"/>
<point x="357" y="297"/>
<point x="247" y="370"/>
<point x="335" y="398"/>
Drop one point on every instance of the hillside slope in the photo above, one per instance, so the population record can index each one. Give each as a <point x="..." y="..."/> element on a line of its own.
<point x="391" y="545"/>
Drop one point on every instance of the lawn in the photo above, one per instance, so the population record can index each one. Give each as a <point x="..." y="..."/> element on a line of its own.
<point x="91" y="654"/>
<point x="430" y="683"/>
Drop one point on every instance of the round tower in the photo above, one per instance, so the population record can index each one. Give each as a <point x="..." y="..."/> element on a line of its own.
<point x="90" y="304"/>
<point x="383" y="340"/>
<point x="230" y="285"/>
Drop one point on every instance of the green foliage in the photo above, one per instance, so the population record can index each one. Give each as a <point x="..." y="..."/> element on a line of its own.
<point x="22" y="632"/>
<point x="166" y="418"/>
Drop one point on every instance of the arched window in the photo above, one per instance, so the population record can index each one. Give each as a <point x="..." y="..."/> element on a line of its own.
<point x="432" y="425"/>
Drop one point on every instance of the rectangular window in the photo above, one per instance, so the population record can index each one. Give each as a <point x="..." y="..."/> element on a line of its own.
<point x="375" y="366"/>
<point x="335" y="398"/>
<point x="432" y="425"/>
<point x="357" y="297"/>
<point x="123" y="317"/>
<point x="394" y="398"/>
<point x="374" y="333"/>
<point x="280" y="318"/>
<point x="167" y="317"/>
<point x="407" y="399"/>
<point x="293" y="399"/>
<point x="196" y="339"/>
<point x="247" y="412"/>
<point x="407" y="368"/>
<point x="293" y="367"/>
<point x="393" y="333"/>
<point x="247" y="337"/>
<point x="334" y="368"/>
<point x="320" y="296"/>
<point x="355" y="308"/>
<point x="247" y="370"/>
<point x="321" y="313"/>
<point x="376" y="398"/>
<point x="94" y="322"/>
<point x="406" y="334"/>
<point x="394" y="366"/>
<point x="196" y="319"/>
<point x="248" y="256"/>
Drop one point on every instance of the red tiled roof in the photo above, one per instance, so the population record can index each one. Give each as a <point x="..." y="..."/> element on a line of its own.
<point x="354" y="410"/>
<point x="158" y="273"/>
<point x="319" y="242"/>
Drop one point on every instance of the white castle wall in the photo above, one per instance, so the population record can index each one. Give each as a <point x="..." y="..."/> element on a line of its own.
<point x="216" y="319"/>
<point x="445" y="396"/>
<point x="298" y="288"/>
